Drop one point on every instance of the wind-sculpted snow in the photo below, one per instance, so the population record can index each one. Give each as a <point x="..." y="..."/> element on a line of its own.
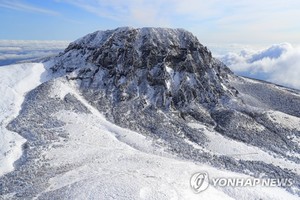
<point x="133" y="113"/>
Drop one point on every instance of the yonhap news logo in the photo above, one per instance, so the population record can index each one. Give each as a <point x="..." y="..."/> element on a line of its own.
<point x="200" y="181"/>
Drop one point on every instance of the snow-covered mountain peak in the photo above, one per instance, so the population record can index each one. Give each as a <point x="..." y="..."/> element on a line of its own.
<point x="133" y="113"/>
<point x="163" y="67"/>
<point x="164" y="36"/>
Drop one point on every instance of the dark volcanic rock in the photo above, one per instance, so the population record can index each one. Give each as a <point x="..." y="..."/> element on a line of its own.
<point x="167" y="68"/>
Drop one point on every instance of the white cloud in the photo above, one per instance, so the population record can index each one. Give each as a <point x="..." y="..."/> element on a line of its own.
<point x="279" y="63"/>
<point x="132" y="12"/>
<point x="213" y="21"/>
<point x="17" y="5"/>
<point x="16" y="50"/>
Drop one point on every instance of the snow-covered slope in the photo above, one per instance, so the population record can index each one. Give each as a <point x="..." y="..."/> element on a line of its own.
<point x="133" y="113"/>
<point x="106" y="166"/>
<point x="95" y="159"/>
<point x="15" y="81"/>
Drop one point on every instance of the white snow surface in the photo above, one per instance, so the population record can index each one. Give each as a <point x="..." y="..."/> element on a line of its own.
<point x="162" y="35"/>
<point x="220" y="145"/>
<point x="111" y="162"/>
<point x="15" y="81"/>
<point x="285" y="120"/>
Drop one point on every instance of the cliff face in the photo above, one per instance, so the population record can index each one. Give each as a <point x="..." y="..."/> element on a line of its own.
<point x="167" y="68"/>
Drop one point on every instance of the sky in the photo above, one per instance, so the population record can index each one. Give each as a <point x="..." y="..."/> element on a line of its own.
<point x="213" y="21"/>
<point x="255" y="38"/>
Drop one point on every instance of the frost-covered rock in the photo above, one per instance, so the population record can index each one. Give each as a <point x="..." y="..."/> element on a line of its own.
<point x="163" y="67"/>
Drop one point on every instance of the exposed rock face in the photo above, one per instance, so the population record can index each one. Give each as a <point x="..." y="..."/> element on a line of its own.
<point x="167" y="68"/>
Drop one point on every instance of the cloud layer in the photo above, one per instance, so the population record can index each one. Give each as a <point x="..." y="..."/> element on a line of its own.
<point x="12" y="51"/>
<point x="279" y="63"/>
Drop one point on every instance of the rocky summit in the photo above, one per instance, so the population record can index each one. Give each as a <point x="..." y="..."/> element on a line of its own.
<point x="167" y="68"/>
